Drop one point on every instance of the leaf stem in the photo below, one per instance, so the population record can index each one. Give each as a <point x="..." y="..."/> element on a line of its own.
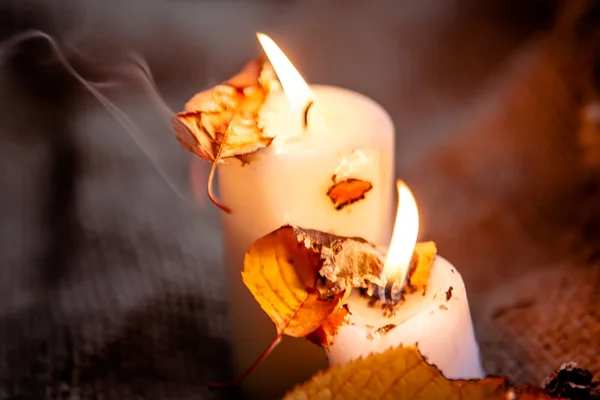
<point x="211" y="177"/>
<point x="245" y="374"/>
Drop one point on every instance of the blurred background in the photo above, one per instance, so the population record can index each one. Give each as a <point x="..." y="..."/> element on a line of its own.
<point x="111" y="283"/>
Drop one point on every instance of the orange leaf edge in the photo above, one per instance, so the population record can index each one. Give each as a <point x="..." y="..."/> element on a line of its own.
<point x="324" y="335"/>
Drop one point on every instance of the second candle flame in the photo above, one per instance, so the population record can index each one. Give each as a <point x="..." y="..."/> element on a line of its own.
<point x="294" y="86"/>
<point x="404" y="237"/>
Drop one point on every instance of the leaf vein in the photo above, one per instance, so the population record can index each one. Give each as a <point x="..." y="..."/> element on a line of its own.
<point x="284" y="278"/>
<point x="400" y="377"/>
<point x="271" y="287"/>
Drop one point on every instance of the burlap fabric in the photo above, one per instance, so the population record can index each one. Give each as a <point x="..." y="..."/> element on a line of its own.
<point x="546" y="313"/>
<point x="532" y="326"/>
<point x="127" y="313"/>
<point x="115" y="289"/>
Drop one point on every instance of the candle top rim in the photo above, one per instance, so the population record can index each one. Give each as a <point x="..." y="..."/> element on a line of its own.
<point x="339" y="118"/>
<point x="323" y="87"/>
<point x="443" y="276"/>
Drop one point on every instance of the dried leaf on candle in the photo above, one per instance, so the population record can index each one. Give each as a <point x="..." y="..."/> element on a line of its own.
<point x="324" y="335"/>
<point x="351" y="262"/>
<point x="402" y="373"/>
<point x="348" y="191"/>
<point x="222" y="122"/>
<point x="300" y="277"/>
<point x="281" y="272"/>
<point x="346" y="262"/>
<point x="423" y="257"/>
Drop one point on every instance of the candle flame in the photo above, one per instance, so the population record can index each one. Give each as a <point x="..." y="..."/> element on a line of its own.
<point x="404" y="237"/>
<point x="294" y="86"/>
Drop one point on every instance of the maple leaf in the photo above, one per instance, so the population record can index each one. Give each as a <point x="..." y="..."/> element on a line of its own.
<point x="402" y="374"/>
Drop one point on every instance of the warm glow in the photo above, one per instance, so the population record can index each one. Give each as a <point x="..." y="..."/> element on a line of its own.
<point x="296" y="89"/>
<point x="404" y="237"/>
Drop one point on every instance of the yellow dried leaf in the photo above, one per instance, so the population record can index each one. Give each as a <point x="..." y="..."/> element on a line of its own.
<point x="282" y="273"/>
<point x="300" y="277"/>
<point x="423" y="256"/>
<point x="403" y="374"/>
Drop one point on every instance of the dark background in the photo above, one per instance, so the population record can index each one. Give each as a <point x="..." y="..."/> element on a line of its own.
<point x="110" y="280"/>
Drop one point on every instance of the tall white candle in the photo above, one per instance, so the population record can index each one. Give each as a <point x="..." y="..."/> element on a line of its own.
<point x="348" y="136"/>
<point x="435" y="317"/>
<point x="439" y="323"/>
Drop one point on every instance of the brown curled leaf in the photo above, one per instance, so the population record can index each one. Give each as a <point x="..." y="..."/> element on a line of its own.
<point x="348" y="191"/>
<point x="401" y="374"/>
<point x="222" y="122"/>
<point x="324" y="335"/>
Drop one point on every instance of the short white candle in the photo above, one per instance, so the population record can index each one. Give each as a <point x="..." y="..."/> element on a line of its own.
<point x="436" y="317"/>
<point x="439" y="323"/>
<point x="347" y="135"/>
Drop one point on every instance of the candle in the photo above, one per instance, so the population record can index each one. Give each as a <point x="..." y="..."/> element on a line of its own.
<point x="330" y="169"/>
<point x="437" y="320"/>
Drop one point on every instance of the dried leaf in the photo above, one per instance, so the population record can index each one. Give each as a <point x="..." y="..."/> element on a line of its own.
<point x="324" y="335"/>
<point x="572" y="382"/>
<point x="300" y="274"/>
<point x="281" y="272"/>
<point x="223" y="121"/>
<point x="346" y="262"/>
<point x="348" y="191"/>
<point x="423" y="257"/>
<point x="402" y="373"/>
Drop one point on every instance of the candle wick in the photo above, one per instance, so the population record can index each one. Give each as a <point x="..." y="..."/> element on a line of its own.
<point x="306" y="109"/>
<point x="391" y="291"/>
